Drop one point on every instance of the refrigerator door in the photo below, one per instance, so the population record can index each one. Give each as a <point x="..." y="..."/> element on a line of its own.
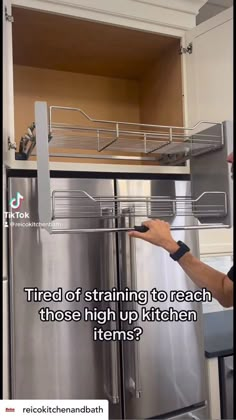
<point x="60" y="360"/>
<point x="164" y="371"/>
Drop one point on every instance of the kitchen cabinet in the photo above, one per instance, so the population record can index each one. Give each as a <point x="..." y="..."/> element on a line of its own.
<point x="226" y="370"/>
<point x="125" y="66"/>
<point x="212" y="369"/>
<point x="212" y="98"/>
<point x="118" y="61"/>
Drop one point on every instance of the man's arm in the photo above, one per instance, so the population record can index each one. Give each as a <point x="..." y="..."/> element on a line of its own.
<point x="201" y="274"/>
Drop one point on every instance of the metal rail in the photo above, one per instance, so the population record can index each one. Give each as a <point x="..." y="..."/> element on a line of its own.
<point x="79" y="204"/>
<point x="163" y="144"/>
<point x="128" y="137"/>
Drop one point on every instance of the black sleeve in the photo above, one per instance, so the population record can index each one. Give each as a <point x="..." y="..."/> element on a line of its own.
<point x="230" y="274"/>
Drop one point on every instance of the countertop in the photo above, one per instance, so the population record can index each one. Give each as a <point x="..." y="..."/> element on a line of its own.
<point x="218" y="333"/>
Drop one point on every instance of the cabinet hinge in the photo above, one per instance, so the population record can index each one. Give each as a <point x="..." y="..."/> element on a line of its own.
<point x="11" y="145"/>
<point x="187" y="50"/>
<point x="8" y="17"/>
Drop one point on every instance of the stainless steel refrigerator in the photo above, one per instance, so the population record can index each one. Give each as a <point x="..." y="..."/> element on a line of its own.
<point x="160" y="376"/>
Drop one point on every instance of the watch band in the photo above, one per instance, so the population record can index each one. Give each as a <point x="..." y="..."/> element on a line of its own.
<point x="183" y="248"/>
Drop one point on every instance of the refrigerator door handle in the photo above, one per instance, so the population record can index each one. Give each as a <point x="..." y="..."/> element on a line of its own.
<point x="110" y="349"/>
<point x="114" y="397"/>
<point x="135" y="342"/>
<point x="131" y="273"/>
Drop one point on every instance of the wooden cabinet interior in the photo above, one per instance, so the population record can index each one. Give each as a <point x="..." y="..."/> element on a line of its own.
<point x="110" y="72"/>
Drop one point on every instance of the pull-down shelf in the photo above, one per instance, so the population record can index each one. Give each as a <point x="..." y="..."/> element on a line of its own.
<point x="164" y="145"/>
<point x="103" y="139"/>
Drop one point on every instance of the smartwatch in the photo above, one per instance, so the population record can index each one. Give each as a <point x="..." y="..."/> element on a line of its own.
<point x="183" y="248"/>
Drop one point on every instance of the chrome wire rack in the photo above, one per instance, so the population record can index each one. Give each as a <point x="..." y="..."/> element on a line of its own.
<point x="81" y="136"/>
<point x="128" y="141"/>
<point x="79" y="204"/>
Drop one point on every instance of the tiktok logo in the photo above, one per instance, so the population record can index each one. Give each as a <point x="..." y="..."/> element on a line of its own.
<point x="15" y="203"/>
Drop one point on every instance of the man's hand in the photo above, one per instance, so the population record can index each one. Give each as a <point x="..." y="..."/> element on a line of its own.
<point x="158" y="234"/>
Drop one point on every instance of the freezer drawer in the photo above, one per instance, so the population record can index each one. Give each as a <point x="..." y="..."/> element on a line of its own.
<point x="226" y="372"/>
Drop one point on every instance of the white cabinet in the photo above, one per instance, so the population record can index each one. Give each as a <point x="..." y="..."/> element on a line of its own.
<point x="176" y="86"/>
<point x="140" y="80"/>
<point x="210" y="96"/>
<point x="118" y="61"/>
<point x="8" y="94"/>
<point x="210" y="76"/>
<point x="213" y="388"/>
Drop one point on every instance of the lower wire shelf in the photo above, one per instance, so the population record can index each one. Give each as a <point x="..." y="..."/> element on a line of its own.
<point x="78" y="204"/>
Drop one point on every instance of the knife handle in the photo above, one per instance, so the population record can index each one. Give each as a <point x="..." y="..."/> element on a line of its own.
<point x="141" y="228"/>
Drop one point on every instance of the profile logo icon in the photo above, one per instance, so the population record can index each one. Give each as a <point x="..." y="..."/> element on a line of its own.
<point x="15" y="202"/>
<point x="10" y="410"/>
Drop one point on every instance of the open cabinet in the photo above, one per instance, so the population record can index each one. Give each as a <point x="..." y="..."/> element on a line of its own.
<point x="110" y="73"/>
<point x="113" y="95"/>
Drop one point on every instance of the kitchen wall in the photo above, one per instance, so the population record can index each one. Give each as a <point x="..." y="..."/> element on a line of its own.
<point x="221" y="263"/>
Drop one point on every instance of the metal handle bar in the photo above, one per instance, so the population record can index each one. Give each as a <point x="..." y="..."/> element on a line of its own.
<point x="137" y="228"/>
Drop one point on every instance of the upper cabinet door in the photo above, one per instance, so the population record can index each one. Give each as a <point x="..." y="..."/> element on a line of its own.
<point x="209" y="88"/>
<point x="209" y="70"/>
<point x="8" y="96"/>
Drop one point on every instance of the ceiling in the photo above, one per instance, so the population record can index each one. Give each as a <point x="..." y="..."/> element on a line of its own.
<point x="222" y="3"/>
<point x="212" y="8"/>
